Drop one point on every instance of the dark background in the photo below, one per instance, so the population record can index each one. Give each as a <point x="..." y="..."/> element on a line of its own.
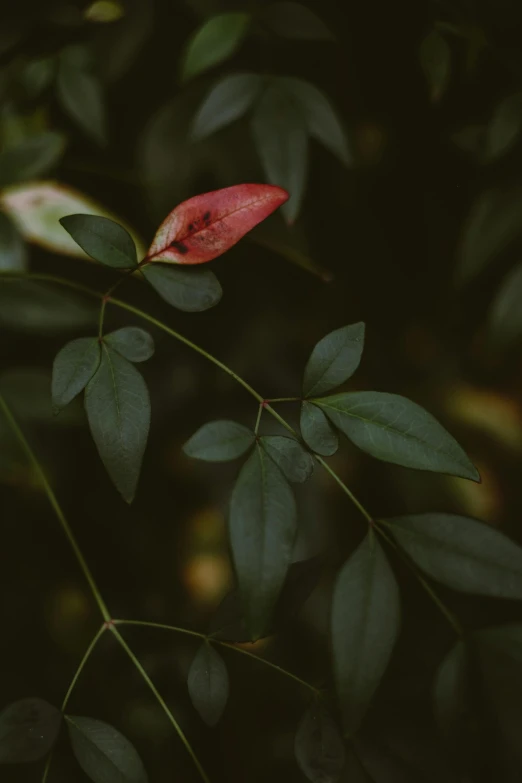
<point x="388" y="229"/>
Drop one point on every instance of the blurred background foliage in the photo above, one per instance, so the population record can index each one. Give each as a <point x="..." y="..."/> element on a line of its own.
<point x="397" y="129"/>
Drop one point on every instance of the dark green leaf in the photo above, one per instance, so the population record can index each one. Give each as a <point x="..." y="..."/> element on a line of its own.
<point x="133" y="343"/>
<point x="31" y="157"/>
<point x="435" y="60"/>
<point x="31" y="306"/>
<point x="208" y="684"/>
<point x="505" y="316"/>
<point x="505" y="126"/>
<point x="317" y="431"/>
<point x="28" y="730"/>
<point x="262" y="529"/>
<point x="191" y="290"/>
<point x="104" y="754"/>
<point x="118" y="45"/>
<point x="219" y="441"/>
<point x="499" y="652"/>
<point x="395" y="429"/>
<point x="80" y="94"/>
<point x="493" y="227"/>
<point x="118" y="409"/>
<point x="319" y="748"/>
<point x="13" y="254"/>
<point x="365" y="626"/>
<point x="227" y="101"/>
<point x="296" y="463"/>
<point x="319" y="115"/>
<point x="37" y="75"/>
<point x="228" y="623"/>
<point x="462" y="553"/>
<point x="215" y="41"/>
<point x="334" y="359"/>
<point x="102" y="239"/>
<point x="293" y="20"/>
<point x="281" y="141"/>
<point x="73" y="368"/>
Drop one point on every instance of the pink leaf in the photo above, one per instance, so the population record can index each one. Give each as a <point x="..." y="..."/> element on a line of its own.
<point x="205" y="226"/>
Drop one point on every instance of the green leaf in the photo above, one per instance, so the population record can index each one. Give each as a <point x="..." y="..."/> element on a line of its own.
<point x="262" y="528"/>
<point x="13" y="254"/>
<point x="334" y="359"/>
<point x="395" y="429"/>
<point x="215" y="41"/>
<point x="365" y="626"/>
<point x="102" y="239"/>
<point x="104" y="754"/>
<point x="118" y="409"/>
<point x="320" y="117"/>
<point x="296" y="463"/>
<point x="219" y="441"/>
<point x="73" y="368"/>
<point x="227" y="101"/>
<point x="464" y="554"/>
<point x="293" y="20"/>
<point x="281" y="140"/>
<point x="493" y="227"/>
<point x="133" y="343"/>
<point x="31" y="306"/>
<point x="31" y="157"/>
<point x="28" y="730"/>
<point x="318" y="746"/>
<point x="505" y="315"/>
<point x="499" y="653"/>
<point x="191" y="290"/>
<point x="505" y="126"/>
<point x="228" y="621"/>
<point x="80" y="94"/>
<point x="435" y="60"/>
<point x="316" y="430"/>
<point x="208" y="684"/>
<point x="37" y="75"/>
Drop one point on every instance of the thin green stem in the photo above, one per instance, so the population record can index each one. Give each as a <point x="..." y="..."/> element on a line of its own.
<point x="229" y="645"/>
<point x="161" y="626"/>
<point x="71" y="687"/>
<point x="56" y="508"/>
<point x="102" y="317"/>
<point x="258" y="419"/>
<point x="284" y="399"/>
<point x="345" y="489"/>
<point x="81" y="665"/>
<point x="290" y="675"/>
<point x="160" y="325"/>
<point x="161" y="702"/>
<point x="448" y="614"/>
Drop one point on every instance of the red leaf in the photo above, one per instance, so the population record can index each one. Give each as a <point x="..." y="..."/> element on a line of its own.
<point x="205" y="226"/>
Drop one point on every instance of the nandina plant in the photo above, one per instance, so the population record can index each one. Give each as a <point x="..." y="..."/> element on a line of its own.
<point x="457" y="552"/>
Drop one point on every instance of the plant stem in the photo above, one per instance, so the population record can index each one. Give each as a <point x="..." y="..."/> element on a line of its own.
<point x="161" y="702"/>
<point x="284" y="399"/>
<point x="56" y="507"/>
<point x="258" y="419"/>
<point x="101" y="318"/>
<point x="345" y="489"/>
<point x="161" y="626"/>
<point x="71" y="687"/>
<point x="81" y="665"/>
<point x="450" y="617"/>
<point x="229" y="645"/>
<point x="290" y="675"/>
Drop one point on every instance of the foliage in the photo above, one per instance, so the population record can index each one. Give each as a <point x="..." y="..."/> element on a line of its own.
<point x="385" y="689"/>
